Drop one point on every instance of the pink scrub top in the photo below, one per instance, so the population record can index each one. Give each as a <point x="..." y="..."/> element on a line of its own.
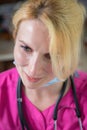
<point x="41" y="120"/>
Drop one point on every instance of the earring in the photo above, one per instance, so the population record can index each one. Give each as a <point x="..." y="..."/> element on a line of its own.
<point x="14" y="62"/>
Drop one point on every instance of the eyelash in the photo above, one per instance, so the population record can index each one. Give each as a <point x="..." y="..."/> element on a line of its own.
<point x="47" y="56"/>
<point x="26" y="48"/>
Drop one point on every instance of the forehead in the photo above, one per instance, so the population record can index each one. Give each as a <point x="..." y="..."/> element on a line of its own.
<point x="33" y="25"/>
<point x="34" y="32"/>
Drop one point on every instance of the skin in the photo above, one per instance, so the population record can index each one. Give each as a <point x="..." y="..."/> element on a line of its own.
<point x="33" y="62"/>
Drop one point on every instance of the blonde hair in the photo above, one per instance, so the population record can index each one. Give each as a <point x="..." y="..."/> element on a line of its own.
<point x="64" y="20"/>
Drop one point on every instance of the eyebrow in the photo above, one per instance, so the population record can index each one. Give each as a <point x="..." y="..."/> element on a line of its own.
<point x="25" y="43"/>
<point x="22" y="41"/>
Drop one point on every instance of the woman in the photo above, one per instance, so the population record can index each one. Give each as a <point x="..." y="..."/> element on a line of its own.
<point x="40" y="92"/>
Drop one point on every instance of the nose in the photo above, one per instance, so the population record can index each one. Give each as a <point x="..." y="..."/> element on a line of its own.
<point x="35" y="66"/>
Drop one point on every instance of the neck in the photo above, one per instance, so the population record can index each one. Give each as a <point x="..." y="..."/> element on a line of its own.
<point x="42" y="91"/>
<point x="45" y="96"/>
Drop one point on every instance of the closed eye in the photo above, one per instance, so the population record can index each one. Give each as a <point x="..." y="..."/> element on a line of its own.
<point x="47" y="56"/>
<point x="26" y="48"/>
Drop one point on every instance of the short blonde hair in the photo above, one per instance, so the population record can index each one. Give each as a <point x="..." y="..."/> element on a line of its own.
<point x="64" y="20"/>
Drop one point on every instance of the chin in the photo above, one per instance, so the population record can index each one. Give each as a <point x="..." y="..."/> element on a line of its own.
<point x="31" y="85"/>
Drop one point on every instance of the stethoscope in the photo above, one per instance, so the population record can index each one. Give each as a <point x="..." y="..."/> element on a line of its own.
<point x="55" y="114"/>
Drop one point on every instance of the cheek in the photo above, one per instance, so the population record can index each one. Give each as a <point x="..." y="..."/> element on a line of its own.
<point x="48" y="68"/>
<point x="19" y="57"/>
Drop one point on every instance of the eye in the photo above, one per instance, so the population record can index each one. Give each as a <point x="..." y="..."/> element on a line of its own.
<point x="26" y="48"/>
<point x="47" y="56"/>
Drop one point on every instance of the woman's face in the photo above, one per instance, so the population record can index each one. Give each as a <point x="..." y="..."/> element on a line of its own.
<point x="31" y="54"/>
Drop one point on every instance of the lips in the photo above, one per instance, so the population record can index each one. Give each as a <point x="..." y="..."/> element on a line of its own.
<point x="32" y="79"/>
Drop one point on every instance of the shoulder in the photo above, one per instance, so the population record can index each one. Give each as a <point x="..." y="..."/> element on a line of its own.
<point x="81" y="82"/>
<point x="8" y="102"/>
<point x="81" y="89"/>
<point x="8" y="77"/>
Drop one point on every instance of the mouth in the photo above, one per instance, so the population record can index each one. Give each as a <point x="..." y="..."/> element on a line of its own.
<point x="33" y="79"/>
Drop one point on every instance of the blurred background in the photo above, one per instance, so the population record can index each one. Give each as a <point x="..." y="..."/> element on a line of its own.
<point x="7" y="9"/>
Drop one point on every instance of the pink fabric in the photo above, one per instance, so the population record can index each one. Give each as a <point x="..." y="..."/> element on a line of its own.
<point x="37" y="120"/>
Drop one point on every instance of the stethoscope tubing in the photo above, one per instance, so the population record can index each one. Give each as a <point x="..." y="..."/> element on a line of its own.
<point x="19" y="102"/>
